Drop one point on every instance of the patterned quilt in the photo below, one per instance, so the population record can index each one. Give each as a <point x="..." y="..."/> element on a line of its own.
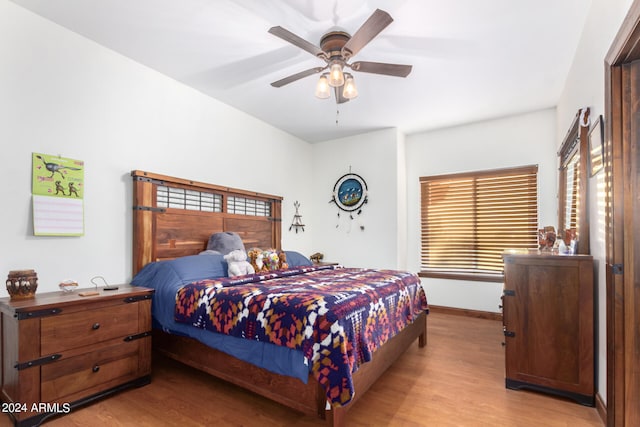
<point x="336" y="316"/>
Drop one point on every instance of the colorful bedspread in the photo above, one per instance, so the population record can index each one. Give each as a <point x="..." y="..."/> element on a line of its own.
<point x="336" y="316"/>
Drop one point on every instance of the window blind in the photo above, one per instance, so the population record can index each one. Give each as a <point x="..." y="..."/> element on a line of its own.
<point x="469" y="219"/>
<point x="571" y="195"/>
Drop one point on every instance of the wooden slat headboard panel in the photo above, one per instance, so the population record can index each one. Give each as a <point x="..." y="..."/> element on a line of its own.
<point x="162" y="232"/>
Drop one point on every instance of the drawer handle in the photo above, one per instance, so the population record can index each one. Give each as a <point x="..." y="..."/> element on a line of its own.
<point x="96" y="368"/>
<point x="95" y="326"/>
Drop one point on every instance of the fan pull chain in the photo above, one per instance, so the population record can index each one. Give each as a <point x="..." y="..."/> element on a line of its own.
<point x="337" y="115"/>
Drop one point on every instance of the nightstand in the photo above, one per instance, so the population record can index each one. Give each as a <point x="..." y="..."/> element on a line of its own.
<point x="61" y="350"/>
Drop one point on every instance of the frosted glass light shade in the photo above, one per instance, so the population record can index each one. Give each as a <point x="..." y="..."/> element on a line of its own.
<point x="350" y="90"/>
<point x="322" y="88"/>
<point x="336" y="77"/>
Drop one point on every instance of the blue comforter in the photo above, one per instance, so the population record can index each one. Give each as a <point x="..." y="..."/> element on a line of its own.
<point x="167" y="277"/>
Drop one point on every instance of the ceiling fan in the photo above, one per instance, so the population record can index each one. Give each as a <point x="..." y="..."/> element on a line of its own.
<point x="337" y="48"/>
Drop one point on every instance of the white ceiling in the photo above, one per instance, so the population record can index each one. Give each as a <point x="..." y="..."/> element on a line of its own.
<point x="472" y="59"/>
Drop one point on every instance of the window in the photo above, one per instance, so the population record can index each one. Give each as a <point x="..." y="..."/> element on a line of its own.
<point x="246" y="206"/>
<point x="469" y="219"/>
<point x="179" y="198"/>
<point x="569" y="191"/>
<point x="572" y="191"/>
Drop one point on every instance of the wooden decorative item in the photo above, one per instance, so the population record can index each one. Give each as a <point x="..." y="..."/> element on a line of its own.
<point x="316" y="257"/>
<point x="297" y="219"/>
<point x="22" y="284"/>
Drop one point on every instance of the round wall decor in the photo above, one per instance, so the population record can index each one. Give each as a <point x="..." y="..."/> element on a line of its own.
<point x="350" y="192"/>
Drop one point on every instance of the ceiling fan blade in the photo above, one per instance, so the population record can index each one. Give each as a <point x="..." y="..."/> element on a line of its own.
<point x="397" y="70"/>
<point x="298" y="41"/>
<point x="297" y="76"/>
<point x="339" y="98"/>
<point x="377" y="22"/>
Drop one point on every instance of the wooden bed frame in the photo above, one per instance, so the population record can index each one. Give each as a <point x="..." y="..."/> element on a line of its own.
<point x="180" y="225"/>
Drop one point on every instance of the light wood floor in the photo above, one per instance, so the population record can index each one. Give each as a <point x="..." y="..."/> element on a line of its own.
<point x="457" y="380"/>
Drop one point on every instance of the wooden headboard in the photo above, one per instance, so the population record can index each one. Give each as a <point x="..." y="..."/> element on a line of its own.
<point x="174" y="217"/>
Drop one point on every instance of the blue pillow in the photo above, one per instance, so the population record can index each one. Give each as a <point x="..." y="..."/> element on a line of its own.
<point x="198" y="267"/>
<point x="296" y="259"/>
<point x="183" y="270"/>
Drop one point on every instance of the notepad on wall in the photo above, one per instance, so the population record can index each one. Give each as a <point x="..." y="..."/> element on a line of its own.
<point x="57" y="216"/>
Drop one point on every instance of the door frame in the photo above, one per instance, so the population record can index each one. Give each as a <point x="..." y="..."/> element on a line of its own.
<point x="620" y="172"/>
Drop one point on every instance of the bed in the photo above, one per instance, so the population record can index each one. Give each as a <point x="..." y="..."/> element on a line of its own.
<point x="317" y="370"/>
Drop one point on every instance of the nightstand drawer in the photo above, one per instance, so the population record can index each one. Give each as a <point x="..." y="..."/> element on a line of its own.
<point x="90" y="373"/>
<point x="68" y="331"/>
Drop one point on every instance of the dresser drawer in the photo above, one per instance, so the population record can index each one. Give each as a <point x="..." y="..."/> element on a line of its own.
<point x="68" y="331"/>
<point x="91" y="372"/>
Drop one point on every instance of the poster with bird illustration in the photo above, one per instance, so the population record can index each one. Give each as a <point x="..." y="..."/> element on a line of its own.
<point x="57" y="176"/>
<point x="58" y="193"/>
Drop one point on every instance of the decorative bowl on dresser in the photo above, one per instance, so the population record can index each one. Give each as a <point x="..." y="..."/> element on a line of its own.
<point x="22" y="284"/>
<point x="61" y="350"/>
<point x="548" y="322"/>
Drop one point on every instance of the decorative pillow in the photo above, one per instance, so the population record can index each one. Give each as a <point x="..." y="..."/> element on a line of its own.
<point x="225" y="242"/>
<point x="296" y="259"/>
<point x="197" y="267"/>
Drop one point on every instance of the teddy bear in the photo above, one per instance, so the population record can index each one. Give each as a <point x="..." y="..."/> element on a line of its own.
<point x="282" y="261"/>
<point x="238" y="264"/>
<point x="256" y="260"/>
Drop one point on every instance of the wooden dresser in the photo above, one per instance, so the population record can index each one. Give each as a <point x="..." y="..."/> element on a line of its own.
<point x="63" y="350"/>
<point x="548" y="322"/>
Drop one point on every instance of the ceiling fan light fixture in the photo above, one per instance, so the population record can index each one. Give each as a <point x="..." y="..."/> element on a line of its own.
<point x="336" y="76"/>
<point x="336" y="50"/>
<point x="350" y="90"/>
<point x="323" y="88"/>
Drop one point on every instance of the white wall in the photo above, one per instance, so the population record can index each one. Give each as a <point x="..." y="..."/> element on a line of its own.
<point x="585" y="88"/>
<point x="403" y="213"/>
<point x="512" y="141"/>
<point x="62" y="94"/>
<point x="373" y="156"/>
